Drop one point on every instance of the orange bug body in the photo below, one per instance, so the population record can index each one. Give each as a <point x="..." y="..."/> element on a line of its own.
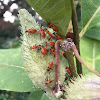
<point x="52" y="44"/>
<point x="53" y="27"/>
<point x="47" y="82"/>
<point x="50" y="34"/>
<point x="34" y="47"/>
<point x="57" y="36"/>
<point x="42" y="32"/>
<point x="63" y="54"/>
<point x="31" y="31"/>
<point x="70" y="35"/>
<point x="50" y="66"/>
<point x="43" y="50"/>
<point x="53" y="51"/>
<point x="68" y="71"/>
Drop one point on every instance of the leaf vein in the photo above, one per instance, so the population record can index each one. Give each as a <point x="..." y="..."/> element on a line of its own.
<point x="52" y="7"/>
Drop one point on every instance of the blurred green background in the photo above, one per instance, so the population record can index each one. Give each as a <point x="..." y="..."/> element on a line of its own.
<point x="10" y="36"/>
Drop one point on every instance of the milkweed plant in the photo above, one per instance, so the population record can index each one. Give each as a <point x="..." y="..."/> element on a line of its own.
<point x="36" y="64"/>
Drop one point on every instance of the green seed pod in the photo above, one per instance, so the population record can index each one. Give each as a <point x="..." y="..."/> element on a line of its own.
<point x="35" y="62"/>
<point x="84" y="88"/>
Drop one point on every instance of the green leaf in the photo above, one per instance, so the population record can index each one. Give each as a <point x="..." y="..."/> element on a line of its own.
<point x="90" y="52"/>
<point x="94" y="32"/>
<point x="88" y="8"/>
<point x="38" y="95"/>
<point x="13" y="78"/>
<point x="57" y="12"/>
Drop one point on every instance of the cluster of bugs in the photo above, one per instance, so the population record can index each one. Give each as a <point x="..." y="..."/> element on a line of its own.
<point x="45" y="51"/>
<point x="42" y="48"/>
<point x="68" y="74"/>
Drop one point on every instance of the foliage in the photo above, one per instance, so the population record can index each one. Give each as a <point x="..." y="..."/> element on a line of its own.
<point x="87" y="10"/>
<point x="14" y="78"/>
<point x="55" y="12"/>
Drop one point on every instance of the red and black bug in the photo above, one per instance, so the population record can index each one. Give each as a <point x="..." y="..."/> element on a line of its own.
<point x="57" y="36"/>
<point x="34" y="47"/>
<point x="53" y="27"/>
<point x="52" y="44"/>
<point x="48" y="82"/>
<point x="31" y="31"/>
<point x="42" y="33"/>
<point x="50" y="34"/>
<point x="53" y="51"/>
<point x="43" y="50"/>
<point x="63" y="54"/>
<point x="68" y="70"/>
<point x="50" y="66"/>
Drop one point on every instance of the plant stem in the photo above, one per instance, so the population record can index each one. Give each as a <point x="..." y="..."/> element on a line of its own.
<point x="83" y="62"/>
<point x="71" y="63"/>
<point x="57" y="64"/>
<point x="76" y="35"/>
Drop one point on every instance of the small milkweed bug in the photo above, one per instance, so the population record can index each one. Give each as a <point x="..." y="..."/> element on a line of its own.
<point x="68" y="70"/>
<point x="50" y="39"/>
<point x="34" y="47"/>
<point x="50" y="34"/>
<point x="46" y="44"/>
<point x="52" y="44"/>
<point x="31" y="31"/>
<point x="70" y="35"/>
<point x="43" y="50"/>
<point x="42" y="33"/>
<point x="53" y="27"/>
<point x="50" y="66"/>
<point x="66" y="78"/>
<point x="47" y="82"/>
<point x="63" y="54"/>
<point x="57" y="36"/>
<point x="53" y="51"/>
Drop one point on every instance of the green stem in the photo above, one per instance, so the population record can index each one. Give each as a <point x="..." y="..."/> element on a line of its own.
<point x="71" y="63"/>
<point x="76" y="35"/>
<point x="83" y="62"/>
